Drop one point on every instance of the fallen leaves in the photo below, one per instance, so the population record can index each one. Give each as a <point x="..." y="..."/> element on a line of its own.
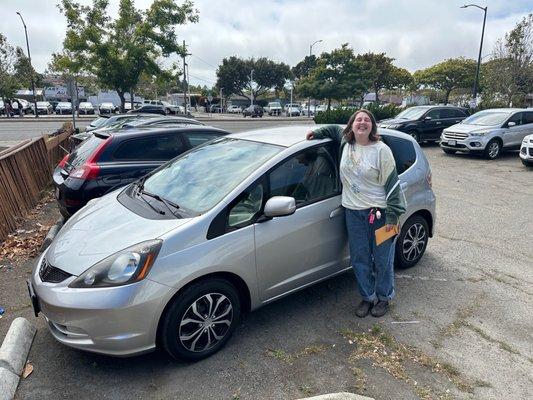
<point x="24" y="244"/>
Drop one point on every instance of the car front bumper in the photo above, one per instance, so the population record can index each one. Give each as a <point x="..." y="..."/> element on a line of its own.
<point x="117" y="321"/>
<point x="470" y="144"/>
<point x="526" y="151"/>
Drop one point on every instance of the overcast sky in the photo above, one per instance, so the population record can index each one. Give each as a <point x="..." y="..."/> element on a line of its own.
<point x="417" y="33"/>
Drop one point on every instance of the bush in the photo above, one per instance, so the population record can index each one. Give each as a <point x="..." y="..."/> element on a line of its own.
<point x="342" y="116"/>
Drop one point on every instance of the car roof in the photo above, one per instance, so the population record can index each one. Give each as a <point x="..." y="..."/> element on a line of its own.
<point x="137" y="131"/>
<point x="291" y="135"/>
<point x="509" y="110"/>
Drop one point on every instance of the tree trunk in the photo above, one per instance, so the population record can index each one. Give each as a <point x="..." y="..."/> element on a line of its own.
<point x="329" y="104"/>
<point x="122" y="100"/>
<point x="447" y="96"/>
<point x="131" y="98"/>
<point x="376" y="92"/>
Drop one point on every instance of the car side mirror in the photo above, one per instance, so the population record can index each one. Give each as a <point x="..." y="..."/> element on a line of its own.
<point x="511" y="124"/>
<point x="427" y="119"/>
<point x="279" y="206"/>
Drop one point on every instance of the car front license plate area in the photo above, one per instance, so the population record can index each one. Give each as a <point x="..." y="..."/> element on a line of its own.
<point x="34" y="299"/>
<point x="452" y="142"/>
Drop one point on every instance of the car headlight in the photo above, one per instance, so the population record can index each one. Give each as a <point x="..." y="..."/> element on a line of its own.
<point x="122" y="268"/>
<point x="480" y="133"/>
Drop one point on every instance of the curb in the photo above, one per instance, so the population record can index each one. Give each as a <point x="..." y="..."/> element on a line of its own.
<point x="52" y="233"/>
<point x="13" y="355"/>
<point x="339" y="396"/>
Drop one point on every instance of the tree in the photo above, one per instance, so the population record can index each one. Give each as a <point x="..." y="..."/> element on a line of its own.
<point x="234" y="76"/>
<point x="509" y="75"/>
<point x="8" y="82"/>
<point x="117" y="52"/>
<point x="304" y="67"/>
<point x="448" y="75"/>
<point x="379" y="69"/>
<point x="24" y="71"/>
<point x="338" y="75"/>
<point x="400" y="78"/>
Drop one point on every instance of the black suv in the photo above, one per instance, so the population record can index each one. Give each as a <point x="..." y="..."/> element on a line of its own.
<point x="108" y="160"/>
<point x="425" y="123"/>
<point x="150" y="109"/>
<point x="253" y="111"/>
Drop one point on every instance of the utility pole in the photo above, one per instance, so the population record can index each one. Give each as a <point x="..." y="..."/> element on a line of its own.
<point x="309" y="98"/>
<point x="185" y="75"/>
<point x="251" y="87"/>
<point x="31" y="68"/>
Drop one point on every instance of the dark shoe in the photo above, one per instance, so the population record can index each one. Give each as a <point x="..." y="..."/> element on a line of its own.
<point x="380" y="309"/>
<point x="363" y="309"/>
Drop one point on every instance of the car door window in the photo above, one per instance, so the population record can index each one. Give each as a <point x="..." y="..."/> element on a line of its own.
<point x="527" y="118"/>
<point x="434" y="114"/>
<point x="247" y="208"/>
<point x="160" y="147"/>
<point x="403" y="151"/>
<point x="517" y="119"/>
<point x="447" y="113"/>
<point x="308" y="176"/>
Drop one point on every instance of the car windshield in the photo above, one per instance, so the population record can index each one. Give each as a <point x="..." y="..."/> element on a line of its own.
<point x="98" y="122"/>
<point x="199" y="179"/>
<point x="42" y="104"/>
<point x="84" y="104"/>
<point x="63" y="104"/>
<point x="487" y="118"/>
<point x="412" y="113"/>
<point x="274" y="104"/>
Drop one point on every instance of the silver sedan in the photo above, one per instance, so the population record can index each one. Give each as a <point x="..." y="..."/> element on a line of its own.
<point x="230" y="226"/>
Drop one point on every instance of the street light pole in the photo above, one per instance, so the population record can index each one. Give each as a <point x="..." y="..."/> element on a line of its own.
<point x="31" y="68"/>
<point x="309" y="98"/>
<point x="251" y="87"/>
<point x="474" y="92"/>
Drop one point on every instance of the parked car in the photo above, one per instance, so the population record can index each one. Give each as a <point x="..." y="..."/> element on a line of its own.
<point x="425" y="123"/>
<point x="160" y="121"/>
<point x="86" y="108"/>
<point x="149" y="109"/>
<point x="233" y="109"/>
<point x="63" y="107"/>
<point x="253" y="111"/>
<point x="292" y="110"/>
<point x="273" y="108"/>
<point x="526" y="151"/>
<point x="127" y="105"/>
<point x="43" y="107"/>
<point x="107" y="121"/>
<point x="25" y="104"/>
<point x="489" y="132"/>
<point x="106" y="108"/>
<point x="171" y="108"/>
<point x="175" y="258"/>
<point x="109" y="160"/>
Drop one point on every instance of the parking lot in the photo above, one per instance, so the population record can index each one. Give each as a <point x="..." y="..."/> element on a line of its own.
<point x="460" y="327"/>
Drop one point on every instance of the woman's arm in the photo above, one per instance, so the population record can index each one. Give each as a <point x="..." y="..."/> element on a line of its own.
<point x="329" y="131"/>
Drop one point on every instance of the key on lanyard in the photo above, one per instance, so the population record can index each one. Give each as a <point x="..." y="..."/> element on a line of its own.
<point x="371" y="216"/>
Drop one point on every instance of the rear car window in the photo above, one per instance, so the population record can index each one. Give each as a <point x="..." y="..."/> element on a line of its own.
<point x="161" y="147"/>
<point x="198" y="138"/>
<point x="403" y="151"/>
<point x="84" y="151"/>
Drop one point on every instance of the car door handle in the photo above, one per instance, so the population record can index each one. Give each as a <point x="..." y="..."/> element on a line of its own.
<point x="335" y="212"/>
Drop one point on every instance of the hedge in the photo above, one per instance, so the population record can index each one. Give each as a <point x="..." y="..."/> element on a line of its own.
<point x="341" y="116"/>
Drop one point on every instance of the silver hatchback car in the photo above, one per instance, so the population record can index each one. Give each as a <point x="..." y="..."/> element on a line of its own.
<point x="488" y="132"/>
<point x="227" y="227"/>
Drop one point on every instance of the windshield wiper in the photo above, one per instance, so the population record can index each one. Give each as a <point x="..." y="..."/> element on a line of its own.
<point x="161" y="212"/>
<point x="166" y="202"/>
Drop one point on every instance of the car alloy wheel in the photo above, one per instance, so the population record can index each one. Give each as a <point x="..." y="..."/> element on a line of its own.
<point x="412" y="241"/>
<point x="414" y="135"/>
<point x="493" y="149"/>
<point x="200" y="320"/>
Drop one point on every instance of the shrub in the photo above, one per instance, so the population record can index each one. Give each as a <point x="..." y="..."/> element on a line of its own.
<point x="383" y="111"/>
<point x="342" y="116"/>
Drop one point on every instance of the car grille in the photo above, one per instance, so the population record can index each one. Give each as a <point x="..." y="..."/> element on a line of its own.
<point x="49" y="273"/>
<point x="455" y="135"/>
<point x="531" y="152"/>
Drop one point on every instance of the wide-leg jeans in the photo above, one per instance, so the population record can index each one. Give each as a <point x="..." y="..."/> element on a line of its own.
<point x="373" y="265"/>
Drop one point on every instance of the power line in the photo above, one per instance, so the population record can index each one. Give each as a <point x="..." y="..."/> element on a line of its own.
<point x="202" y="79"/>
<point x="201" y="59"/>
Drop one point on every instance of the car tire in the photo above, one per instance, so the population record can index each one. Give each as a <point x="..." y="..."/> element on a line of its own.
<point x="415" y="135"/>
<point x="183" y="334"/>
<point x="412" y="242"/>
<point x="527" y="163"/>
<point x="448" y="151"/>
<point x="493" y="149"/>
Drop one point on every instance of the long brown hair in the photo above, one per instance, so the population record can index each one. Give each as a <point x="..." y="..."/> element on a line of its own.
<point x="348" y="132"/>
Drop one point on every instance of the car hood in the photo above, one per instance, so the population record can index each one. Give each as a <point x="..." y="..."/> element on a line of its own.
<point x="393" y="121"/>
<point x="466" y="128"/>
<point x="100" y="229"/>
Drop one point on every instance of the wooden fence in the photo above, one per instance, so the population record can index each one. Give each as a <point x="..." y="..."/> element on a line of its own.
<point x="25" y="170"/>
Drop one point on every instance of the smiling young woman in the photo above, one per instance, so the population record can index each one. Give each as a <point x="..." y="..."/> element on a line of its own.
<point x="372" y="199"/>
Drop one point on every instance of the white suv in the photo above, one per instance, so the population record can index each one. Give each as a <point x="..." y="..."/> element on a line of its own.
<point x="489" y="132"/>
<point x="526" y="151"/>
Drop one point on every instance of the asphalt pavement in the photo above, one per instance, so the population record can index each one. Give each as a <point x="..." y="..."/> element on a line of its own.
<point x="460" y="327"/>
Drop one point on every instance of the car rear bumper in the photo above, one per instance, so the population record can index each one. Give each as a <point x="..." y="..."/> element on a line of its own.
<point x="118" y="321"/>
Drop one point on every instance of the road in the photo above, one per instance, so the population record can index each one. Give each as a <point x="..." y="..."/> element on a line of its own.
<point x="460" y="327"/>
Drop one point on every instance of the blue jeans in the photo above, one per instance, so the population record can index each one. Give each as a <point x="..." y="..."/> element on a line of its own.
<point x="373" y="265"/>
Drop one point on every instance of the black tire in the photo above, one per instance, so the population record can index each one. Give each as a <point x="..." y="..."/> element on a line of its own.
<point x="409" y="251"/>
<point x="493" y="149"/>
<point x="527" y="163"/>
<point x="173" y="329"/>
<point x="448" y="151"/>
<point x="415" y="135"/>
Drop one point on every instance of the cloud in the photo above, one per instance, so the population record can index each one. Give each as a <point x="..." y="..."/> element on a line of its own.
<point x="417" y="33"/>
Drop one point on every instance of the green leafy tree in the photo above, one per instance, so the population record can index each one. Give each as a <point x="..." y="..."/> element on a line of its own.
<point x="509" y="75"/>
<point x="400" y="78"/>
<point x="117" y="52"/>
<point x="304" y="67"/>
<point x="379" y="69"/>
<point x="24" y="71"/>
<point x="448" y="75"/>
<point x="8" y="81"/>
<point x="234" y="76"/>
